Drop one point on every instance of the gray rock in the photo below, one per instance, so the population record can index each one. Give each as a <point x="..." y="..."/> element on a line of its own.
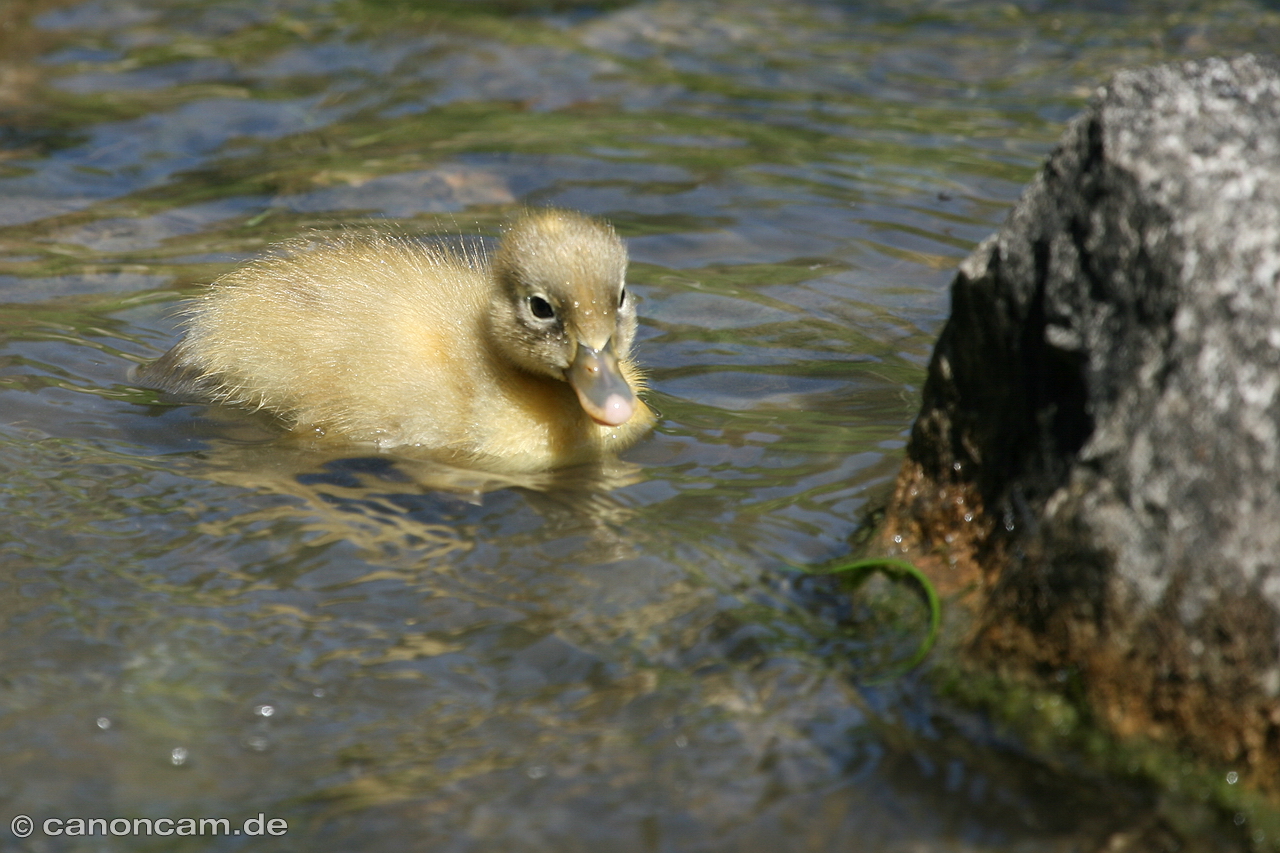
<point x="1106" y="397"/>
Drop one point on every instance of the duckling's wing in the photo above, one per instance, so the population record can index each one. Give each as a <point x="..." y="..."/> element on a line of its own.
<point x="177" y="377"/>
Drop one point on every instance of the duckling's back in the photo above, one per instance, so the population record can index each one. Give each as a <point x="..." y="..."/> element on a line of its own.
<point x="357" y="336"/>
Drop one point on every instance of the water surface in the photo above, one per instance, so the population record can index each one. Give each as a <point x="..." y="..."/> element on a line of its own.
<point x="200" y="619"/>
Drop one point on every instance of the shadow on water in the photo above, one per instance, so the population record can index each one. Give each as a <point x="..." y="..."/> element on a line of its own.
<point x="201" y="617"/>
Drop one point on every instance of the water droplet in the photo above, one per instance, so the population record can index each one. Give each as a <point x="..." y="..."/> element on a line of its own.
<point x="178" y="756"/>
<point x="318" y="692"/>
<point x="682" y="741"/>
<point x="264" y="710"/>
<point x="897" y="538"/>
<point x="103" y="723"/>
<point x="1239" y="819"/>
<point x="258" y="743"/>
<point x="1232" y="778"/>
<point x="537" y="771"/>
<point x="968" y="516"/>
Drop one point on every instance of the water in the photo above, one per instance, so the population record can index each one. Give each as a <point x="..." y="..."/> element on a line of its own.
<point x="199" y="619"/>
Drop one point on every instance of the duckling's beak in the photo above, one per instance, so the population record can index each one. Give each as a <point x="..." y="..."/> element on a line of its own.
<point x="602" y="390"/>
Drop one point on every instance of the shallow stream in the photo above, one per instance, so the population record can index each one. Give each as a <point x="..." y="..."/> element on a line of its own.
<point x="200" y="619"/>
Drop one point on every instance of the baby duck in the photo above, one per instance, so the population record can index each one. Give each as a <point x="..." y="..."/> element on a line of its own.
<point x="519" y="363"/>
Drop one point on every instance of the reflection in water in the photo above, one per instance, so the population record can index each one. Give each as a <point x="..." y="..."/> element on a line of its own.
<point x="388" y="502"/>
<point x="624" y="657"/>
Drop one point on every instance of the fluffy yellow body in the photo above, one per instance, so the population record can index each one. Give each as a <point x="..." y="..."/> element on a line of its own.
<point x="388" y="340"/>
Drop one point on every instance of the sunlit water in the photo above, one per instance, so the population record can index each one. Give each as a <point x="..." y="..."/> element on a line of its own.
<point x="200" y="619"/>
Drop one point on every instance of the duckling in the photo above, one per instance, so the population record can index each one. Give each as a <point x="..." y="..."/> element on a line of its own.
<point x="521" y="362"/>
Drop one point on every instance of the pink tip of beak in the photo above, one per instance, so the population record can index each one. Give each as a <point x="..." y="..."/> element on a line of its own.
<point x="615" y="412"/>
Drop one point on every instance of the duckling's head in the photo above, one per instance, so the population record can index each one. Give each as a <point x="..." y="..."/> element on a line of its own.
<point x="561" y="308"/>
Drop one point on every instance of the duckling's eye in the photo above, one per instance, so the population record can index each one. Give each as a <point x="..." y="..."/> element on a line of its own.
<point x="622" y="298"/>
<point x="541" y="308"/>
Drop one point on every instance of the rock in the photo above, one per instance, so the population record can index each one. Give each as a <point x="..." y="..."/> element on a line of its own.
<point x="1103" y="406"/>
